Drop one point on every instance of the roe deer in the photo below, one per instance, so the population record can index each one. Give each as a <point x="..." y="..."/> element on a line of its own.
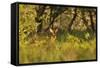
<point x="53" y="32"/>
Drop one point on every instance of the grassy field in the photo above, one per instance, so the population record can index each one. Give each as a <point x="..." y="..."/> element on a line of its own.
<point x="66" y="47"/>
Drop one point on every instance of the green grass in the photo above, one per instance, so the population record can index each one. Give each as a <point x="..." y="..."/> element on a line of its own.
<point x="66" y="47"/>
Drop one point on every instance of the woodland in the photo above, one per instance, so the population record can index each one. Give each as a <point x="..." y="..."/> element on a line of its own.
<point x="53" y="33"/>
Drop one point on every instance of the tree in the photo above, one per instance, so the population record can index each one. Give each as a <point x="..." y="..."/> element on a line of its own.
<point x="40" y="11"/>
<point x="91" y="19"/>
<point x="73" y="19"/>
<point x="55" y="12"/>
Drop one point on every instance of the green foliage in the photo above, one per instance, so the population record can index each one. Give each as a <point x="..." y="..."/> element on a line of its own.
<point x="77" y="44"/>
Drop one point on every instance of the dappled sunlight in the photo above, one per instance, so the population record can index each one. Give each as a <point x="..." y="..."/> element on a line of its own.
<point x="55" y="34"/>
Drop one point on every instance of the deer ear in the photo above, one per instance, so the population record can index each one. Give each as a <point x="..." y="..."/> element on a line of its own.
<point x="56" y="30"/>
<point x="51" y="31"/>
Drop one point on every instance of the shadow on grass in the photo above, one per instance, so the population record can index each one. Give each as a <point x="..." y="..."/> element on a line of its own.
<point x="84" y="35"/>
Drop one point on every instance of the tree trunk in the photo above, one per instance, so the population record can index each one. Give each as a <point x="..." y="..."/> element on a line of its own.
<point x="74" y="17"/>
<point x="91" y="19"/>
<point x="54" y="15"/>
<point x="84" y="20"/>
<point x="39" y="28"/>
<point x="40" y="10"/>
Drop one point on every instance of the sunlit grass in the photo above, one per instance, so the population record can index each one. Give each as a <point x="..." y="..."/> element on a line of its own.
<point x="65" y="48"/>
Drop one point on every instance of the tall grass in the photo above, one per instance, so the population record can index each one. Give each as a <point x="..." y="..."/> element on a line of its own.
<point x="66" y="47"/>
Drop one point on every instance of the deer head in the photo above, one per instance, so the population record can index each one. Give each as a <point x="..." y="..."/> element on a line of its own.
<point x="53" y="32"/>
